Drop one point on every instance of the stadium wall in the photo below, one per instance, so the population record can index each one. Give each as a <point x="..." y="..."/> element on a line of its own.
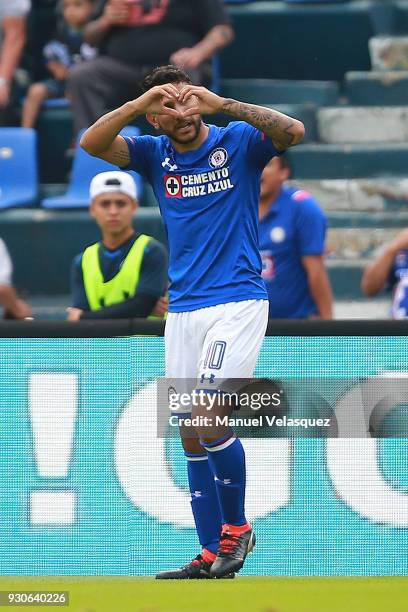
<point x="86" y="487"/>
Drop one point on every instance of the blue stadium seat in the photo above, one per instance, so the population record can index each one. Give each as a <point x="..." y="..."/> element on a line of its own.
<point x="56" y="103"/>
<point x="84" y="169"/>
<point x="18" y="167"/>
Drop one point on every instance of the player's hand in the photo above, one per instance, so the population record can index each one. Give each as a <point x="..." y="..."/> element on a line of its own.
<point x="159" y="101"/>
<point x="400" y="242"/>
<point x="187" y="58"/>
<point x="74" y="314"/>
<point x="205" y="101"/>
<point x="161" y="307"/>
<point x="20" y="310"/>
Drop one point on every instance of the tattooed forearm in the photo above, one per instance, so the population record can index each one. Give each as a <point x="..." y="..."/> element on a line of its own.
<point x="283" y="130"/>
<point x="121" y="158"/>
<point x="106" y="119"/>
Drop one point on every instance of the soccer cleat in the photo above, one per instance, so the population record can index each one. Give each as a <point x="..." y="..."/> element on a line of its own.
<point x="197" y="569"/>
<point x="235" y="544"/>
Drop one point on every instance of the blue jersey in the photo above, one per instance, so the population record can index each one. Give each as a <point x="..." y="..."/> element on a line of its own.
<point x="209" y="203"/>
<point x="295" y="226"/>
<point x="398" y="281"/>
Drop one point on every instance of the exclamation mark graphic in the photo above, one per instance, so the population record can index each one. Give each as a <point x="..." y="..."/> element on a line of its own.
<point x="53" y="408"/>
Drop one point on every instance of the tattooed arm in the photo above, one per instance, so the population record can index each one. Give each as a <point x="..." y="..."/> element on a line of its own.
<point x="102" y="140"/>
<point x="284" y="131"/>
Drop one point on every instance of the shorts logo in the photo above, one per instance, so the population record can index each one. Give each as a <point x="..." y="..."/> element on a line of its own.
<point x="218" y="158"/>
<point x="278" y="234"/>
<point x="172" y="186"/>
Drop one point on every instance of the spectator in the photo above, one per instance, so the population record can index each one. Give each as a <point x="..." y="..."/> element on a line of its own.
<point x="292" y="236"/>
<point x="124" y="275"/>
<point x="12" y="40"/>
<point x="60" y="55"/>
<point x="134" y="36"/>
<point x="14" y="308"/>
<point x="390" y="271"/>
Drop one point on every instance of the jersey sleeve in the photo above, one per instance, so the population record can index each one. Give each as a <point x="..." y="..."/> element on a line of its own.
<point x="153" y="275"/>
<point x="78" y="295"/>
<point x="141" y="149"/>
<point x="311" y="225"/>
<point x="259" y="147"/>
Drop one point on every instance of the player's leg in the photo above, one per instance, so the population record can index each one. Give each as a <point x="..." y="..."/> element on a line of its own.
<point x="183" y="349"/>
<point x="230" y="352"/>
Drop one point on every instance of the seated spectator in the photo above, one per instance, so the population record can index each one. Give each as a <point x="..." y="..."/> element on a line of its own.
<point x="133" y="37"/>
<point x="14" y="308"/>
<point x="292" y="234"/>
<point x="389" y="271"/>
<point x="124" y="275"/>
<point x="60" y="55"/>
<point x="12" y="40"/>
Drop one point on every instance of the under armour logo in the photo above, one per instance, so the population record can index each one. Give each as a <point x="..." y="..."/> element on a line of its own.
<point x="167" y="164"/>
<point x="226" y="481"/>
<point x="210" y="379"/>
<point x="196" y="494"/>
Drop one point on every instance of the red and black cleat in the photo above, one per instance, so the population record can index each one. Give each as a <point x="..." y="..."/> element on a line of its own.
<point x="235" y="544"/>
<point x="197" y="569"/>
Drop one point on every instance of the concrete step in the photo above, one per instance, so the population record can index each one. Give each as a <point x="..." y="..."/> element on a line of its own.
<point x="341" y="125"/>
<point x="281" y="91"/>
<point x="389" y="52"/>
<point x="360" y="195"/>
<point x="345" y="277"/>
<point x="377" y="88"/>
<point x="340" y="161"/>
<point x="354" y="243"/>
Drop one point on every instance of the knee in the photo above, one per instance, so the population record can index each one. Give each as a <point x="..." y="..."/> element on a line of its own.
<point x="192" y="445"/>
<point x="38" y="91"/>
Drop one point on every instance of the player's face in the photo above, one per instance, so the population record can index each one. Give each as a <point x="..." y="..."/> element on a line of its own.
<point x="113" y="212"/>
<point x="273" y="176"/>
<point x="183" y="131"/>
<point x="77" y="12"/>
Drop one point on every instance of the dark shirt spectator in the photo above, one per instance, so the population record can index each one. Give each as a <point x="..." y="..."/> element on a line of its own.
<point x="133" y="37"/>
<point x="12" y="40"/>
<point x="292" y="234"/>
<point x="389" y="271"/>
<point x="60" y="55"/>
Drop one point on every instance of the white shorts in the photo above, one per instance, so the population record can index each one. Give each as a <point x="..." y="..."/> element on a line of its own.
<point x="213" y="344"/>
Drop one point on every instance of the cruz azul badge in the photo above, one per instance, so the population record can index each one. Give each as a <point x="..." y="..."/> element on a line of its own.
<point x="218" y="158"/>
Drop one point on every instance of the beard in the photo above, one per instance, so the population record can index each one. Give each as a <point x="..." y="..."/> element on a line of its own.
<point x="195" y="126"/>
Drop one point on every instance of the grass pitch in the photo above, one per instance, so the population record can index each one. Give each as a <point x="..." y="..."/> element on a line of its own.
<point x="114" y="594"/>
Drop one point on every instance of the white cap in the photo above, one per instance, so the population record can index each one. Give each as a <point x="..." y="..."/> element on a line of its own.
<point x="115" y="180"/>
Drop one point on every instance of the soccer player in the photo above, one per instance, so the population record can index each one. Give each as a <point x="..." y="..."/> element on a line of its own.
<point x="292" y="232"/>
<point x="390" y="271"/>
<point x="207" y="182"/>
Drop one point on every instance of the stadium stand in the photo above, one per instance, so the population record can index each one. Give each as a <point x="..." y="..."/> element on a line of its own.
<point x="18" y="158"/>
<point x="84" y="168"/>
<point x="350" y="88"/>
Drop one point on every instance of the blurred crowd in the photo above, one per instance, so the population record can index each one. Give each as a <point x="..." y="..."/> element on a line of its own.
<point x="96" y="52"/>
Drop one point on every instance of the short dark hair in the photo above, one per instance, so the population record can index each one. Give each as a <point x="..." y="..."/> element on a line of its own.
<point x="165" y="74"/>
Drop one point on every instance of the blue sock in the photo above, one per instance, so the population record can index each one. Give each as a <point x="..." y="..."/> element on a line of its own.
<point x="204" y="501"/>
<point x="227" y="463"/>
